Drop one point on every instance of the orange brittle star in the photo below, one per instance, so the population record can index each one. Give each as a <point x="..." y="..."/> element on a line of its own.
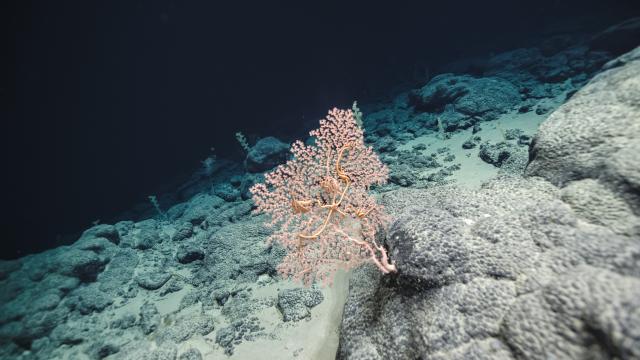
<point x="331" y="186"/>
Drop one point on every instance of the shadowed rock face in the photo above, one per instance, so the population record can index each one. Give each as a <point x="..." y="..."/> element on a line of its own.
<point x="521" y="268"/>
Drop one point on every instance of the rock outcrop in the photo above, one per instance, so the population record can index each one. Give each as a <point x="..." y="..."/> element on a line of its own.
<point x="524" y="268"/>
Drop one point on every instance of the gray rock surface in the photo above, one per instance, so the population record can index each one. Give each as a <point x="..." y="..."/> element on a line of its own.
<point x="595" y="135"/>
<point x="90" y="299"/>
<point x="227" y="192"/>
<point x="200" y="207"/>
<point x="153" y="280"/>
<point x="295" y="304"/>
<point x="191" y="354"/>
<point x="120" y="271"/>
<point x="487" y="96"/>
<point x="184" y="328"/>
<point x="149" y="318"/>
<point x="505" y="272"/>
<point x="266" y="154"/>
<point x="85" y="265"/>
<point x="188" y="253"/>
<point x="106" y="231"/>
<point x="230" y="336"/>
<point x="623" y="59"/>
<point x="523" y="268"/>
<point x="166" y="351"/>
<point x="183" y="232"/>
<point x="593" y="202"/>
<point x="496" y="154"/>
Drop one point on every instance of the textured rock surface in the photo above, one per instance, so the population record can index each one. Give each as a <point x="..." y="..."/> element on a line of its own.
<point x="187" y="253"/>
<point x="505" y="272"/>
<point x="97" y="298"/>
<point x="595" y="135"/>
<point x="266" y="154"/>
<point x="469" y="95"/>
<point x="294" y="304"/>
<point x="618" y="38"/>
<point x="522" y="268"/>
<point x="496" y="154"/>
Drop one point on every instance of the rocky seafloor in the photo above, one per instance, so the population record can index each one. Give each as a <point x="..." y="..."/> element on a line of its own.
<point x="515" y="189"/>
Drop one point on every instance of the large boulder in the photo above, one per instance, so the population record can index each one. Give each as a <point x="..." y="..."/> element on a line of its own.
<point x="496" y="154"/>
<point x="266" y="154"/>
<point x="505" y="272"/>
<point x="295" y="304"/>
<point x="595" y="135"/>
<point x="541" y="267"/>
<point x="188" y="253"/>
<point x="84" y="265"/>
<point x="471" y="96"/>
<point x="106" y="231"/>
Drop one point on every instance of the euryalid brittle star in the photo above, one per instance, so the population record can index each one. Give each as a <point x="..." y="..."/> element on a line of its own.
<point x="331" y="185"/>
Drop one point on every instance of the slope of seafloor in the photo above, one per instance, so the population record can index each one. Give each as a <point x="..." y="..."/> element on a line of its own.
<point x="197" y="281"/>
<point x="537" y="265"/>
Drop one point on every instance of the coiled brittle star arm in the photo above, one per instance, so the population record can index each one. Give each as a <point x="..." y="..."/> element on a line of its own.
<point x="334" y="205"/>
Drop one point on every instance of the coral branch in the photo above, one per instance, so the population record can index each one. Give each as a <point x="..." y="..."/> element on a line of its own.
<point x="304" y="195"/>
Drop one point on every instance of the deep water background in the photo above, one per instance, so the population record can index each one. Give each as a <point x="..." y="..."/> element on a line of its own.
<point x="105" y="103"/>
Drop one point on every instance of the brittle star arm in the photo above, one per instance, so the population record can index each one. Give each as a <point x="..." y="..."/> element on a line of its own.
<point x="334" y="205"/>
